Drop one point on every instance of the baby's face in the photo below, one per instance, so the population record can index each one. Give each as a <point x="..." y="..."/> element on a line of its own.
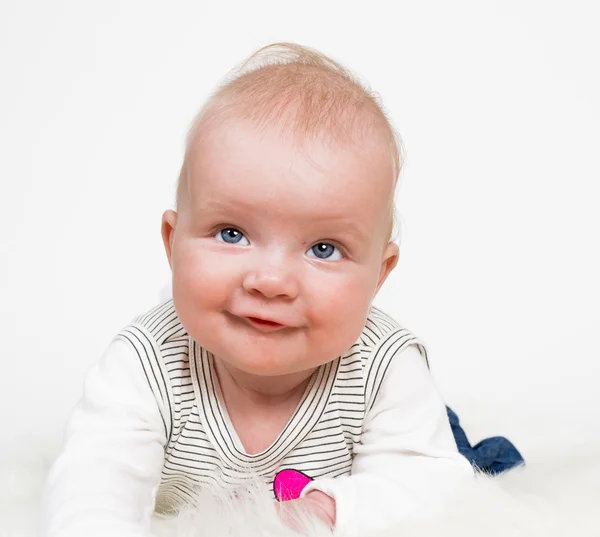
<point x="278" y="250"/>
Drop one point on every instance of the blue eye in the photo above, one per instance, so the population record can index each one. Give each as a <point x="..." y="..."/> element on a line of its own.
<point x="231" y="236"/>
<point x="324" y="250"/>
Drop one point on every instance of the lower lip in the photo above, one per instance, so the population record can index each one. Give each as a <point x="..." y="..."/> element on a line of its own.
<point x="265" y="325"/>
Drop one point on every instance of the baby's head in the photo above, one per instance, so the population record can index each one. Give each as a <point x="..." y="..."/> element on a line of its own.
<point x="284" y="218"/>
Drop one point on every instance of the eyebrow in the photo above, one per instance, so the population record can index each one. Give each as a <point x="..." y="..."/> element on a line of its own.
<point x="344" y="225"/>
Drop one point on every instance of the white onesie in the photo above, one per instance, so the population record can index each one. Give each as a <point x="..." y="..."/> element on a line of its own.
<point x="370" y="431"/>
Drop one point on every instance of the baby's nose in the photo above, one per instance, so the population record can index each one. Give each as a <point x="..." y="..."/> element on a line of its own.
<point x="272" y="282"/>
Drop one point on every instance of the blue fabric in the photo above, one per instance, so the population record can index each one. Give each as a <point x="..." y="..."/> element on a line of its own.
<point x="492" y="455"/>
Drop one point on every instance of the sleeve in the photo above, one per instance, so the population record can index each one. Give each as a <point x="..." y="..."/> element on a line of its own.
<point x="104" y="482"/>
<point x="407" y="463"/>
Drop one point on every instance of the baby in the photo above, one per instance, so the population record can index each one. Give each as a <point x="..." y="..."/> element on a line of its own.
<point x="269" y="363"/>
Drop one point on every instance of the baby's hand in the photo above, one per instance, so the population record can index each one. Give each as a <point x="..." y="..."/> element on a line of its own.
<point x="316" y="502"/>
<point x="322" y="505"/>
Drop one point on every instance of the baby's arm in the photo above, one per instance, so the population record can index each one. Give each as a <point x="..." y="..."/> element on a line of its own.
<point x="407" y="463"/>
<point x="104" y="481"/>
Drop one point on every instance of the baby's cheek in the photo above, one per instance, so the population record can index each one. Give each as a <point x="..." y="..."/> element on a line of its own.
<point x="348" y="296"/>
<point x="194" y="284"/>
<point x="197" y="269"/>
<point x="338" y="315"/>
<point x="200" y="294"/>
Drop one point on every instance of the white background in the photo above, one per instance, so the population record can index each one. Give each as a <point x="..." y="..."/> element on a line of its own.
<point x="497" y="104"/>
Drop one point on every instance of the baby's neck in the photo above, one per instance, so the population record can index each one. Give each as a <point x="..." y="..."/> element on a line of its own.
<point x="259" y="408"/>
<point x="242" y="387"/>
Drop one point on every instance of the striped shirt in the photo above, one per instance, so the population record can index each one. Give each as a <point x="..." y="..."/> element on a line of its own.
<point x="202" y="448"/>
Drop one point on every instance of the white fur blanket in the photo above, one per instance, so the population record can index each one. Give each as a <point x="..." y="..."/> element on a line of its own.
<point x="554" y="498"/>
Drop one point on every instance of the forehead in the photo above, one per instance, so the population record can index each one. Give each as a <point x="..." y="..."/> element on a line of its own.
<point x="235" y="164"/>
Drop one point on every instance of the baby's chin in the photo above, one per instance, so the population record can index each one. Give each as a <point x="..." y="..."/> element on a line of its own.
<point x="272" y="368"/>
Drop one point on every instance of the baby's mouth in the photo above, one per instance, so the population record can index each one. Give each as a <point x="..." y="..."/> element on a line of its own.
<point x="263" y="325"/>
<point x="263" y="322"/>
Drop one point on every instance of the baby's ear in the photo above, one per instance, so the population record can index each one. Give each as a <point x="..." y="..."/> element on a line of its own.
<point x="389" y="259"/>
<point x="169" y="221"/>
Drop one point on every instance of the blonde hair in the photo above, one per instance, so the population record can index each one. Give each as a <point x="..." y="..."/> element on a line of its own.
<point x="305" y="93"/>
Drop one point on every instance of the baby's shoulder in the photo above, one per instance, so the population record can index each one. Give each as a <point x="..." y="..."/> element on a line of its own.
<point x="161" y="323"/>
<point x="382" y="341"/>
<point x="382" y="338"/>
<point x="379" y="327"/>
<point x="157" y="334"/>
